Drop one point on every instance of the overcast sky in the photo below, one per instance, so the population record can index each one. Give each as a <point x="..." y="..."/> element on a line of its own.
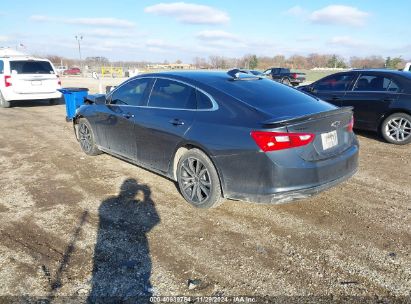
<point x="157" y="31"/>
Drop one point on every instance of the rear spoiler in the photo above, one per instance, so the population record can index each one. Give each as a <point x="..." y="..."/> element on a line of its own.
<point x="285" y="122"/>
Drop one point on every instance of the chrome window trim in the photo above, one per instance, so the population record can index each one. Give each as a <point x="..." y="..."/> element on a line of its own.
<point x="213" y="102"/>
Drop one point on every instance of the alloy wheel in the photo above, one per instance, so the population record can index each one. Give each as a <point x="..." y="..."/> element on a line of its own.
<point x="196" y="181"/>
<point x="398" y="129"/>
<point x="85" y="138"/>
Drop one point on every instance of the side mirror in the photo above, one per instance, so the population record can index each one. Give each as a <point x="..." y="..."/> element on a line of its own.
<point x="311" y="89"/>
<point x="98" y="99"/>
<point x="101" y="99"/>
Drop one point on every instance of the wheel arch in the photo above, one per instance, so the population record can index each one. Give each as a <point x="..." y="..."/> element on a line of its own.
<point x="390" y="112"/>
<point x="186" y="146"/>
<point x="75" y="123"/>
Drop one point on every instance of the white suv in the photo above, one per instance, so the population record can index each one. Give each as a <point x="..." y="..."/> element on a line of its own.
<point x="23" y="77"/>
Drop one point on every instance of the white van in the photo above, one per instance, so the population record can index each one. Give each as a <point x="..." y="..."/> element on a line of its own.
<point x="23" y="77"/>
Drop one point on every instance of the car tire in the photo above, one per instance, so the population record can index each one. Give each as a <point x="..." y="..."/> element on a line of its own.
<point x="396" y="129"/>
<point x="86" y="137"/>
<point x="285" y="81"/>
<point x="4" y="103"/>
<point x="198" y="180"/>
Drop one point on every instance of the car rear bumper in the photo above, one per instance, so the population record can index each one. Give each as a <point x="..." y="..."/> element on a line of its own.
<point x="279" y="179"/>
<point x="12" y="96"/>
<point x="289" y="196"/>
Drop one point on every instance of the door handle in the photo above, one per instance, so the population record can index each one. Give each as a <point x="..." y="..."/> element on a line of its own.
<point x="128" y="115"/>
<point x="335" y="97"/>
<point x="176" y="122"/>
<point x="387" y="99"/>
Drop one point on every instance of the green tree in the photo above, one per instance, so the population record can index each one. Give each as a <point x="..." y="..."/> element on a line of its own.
<point x="336" y="62"/>
<point x="393" y="63"/>
<point x="253" y="63"/>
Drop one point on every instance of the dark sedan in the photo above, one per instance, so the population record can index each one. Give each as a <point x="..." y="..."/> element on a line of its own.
<point x="223" y="135"/>
<point x="381" y="100"/>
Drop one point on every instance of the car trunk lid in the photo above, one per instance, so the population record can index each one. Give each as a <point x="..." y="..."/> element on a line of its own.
<point x="332" y="130"/>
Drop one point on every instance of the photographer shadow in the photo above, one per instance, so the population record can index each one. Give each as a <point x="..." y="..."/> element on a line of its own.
<point x="122" y="263"/>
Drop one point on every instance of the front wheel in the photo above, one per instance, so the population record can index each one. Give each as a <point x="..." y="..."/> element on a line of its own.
<point x="85" y="136"/>
<point x="396" y="129"/>
<point x="198" y="180"/>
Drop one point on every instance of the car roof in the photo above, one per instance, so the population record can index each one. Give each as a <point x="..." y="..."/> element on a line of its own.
<point x="25" y="57"/>
<point x="386" y="71"/>
<point x="201" y="76"/>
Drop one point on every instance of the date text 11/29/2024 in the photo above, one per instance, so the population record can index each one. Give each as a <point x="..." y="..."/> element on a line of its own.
<point x="203" y="299"/>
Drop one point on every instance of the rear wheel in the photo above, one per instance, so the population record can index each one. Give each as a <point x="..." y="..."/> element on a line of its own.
<point x="3" y="102"/>
<point x="396" y="129"/>
<point x="86" y="138"/>
<point x="285" y="81"/>
<point x="198" y="180"/>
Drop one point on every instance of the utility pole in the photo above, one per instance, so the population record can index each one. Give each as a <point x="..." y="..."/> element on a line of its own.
<point x="79" y="38"/>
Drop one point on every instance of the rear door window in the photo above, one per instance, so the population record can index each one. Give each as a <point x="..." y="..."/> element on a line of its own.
<point x="31" y="67"/>
<point x="375" y="83"/>
<point x="203" y="101"/>
<point x="172" y="95"/>
<point x="338" y="82"/>
<point x="394" y="87"/>
<point x="131" y="93"/>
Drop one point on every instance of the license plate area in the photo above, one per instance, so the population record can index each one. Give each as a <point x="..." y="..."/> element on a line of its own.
<point x="36" y="83"/>
<point x="329" y="140"/>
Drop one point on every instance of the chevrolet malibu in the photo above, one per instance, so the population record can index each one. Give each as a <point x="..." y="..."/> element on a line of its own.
<point x="223" y="135"/>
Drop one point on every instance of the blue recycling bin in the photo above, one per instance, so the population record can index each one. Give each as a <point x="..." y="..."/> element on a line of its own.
<point x="74" y="98"/>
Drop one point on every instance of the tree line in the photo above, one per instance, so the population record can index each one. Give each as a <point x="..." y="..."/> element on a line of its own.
<point x="251" y="61"/>
<point x="299" y="62"/>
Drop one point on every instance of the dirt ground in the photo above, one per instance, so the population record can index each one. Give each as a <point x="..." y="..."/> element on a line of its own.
<point x="85" y="227"/>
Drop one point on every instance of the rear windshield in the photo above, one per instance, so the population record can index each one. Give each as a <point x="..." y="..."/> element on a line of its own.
<point x="263" y="93"/>
<point x="31" y="67"/>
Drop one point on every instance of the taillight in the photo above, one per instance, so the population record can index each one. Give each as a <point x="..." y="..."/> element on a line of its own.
<point x="274" y="141"/>
<point x="7" y="81"/>
<point x="294" y="76"/>
<point x="350" y="126"/>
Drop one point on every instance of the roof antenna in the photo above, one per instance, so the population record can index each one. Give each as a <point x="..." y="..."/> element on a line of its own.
<point x="235" y="73"/>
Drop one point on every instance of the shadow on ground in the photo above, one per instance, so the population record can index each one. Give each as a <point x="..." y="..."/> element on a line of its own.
<point x="122" y="263"/>
<point x="370" y="135"/>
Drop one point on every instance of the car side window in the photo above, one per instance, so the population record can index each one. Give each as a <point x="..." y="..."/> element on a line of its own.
<point x="375" y="83"/>
<point x="131" y="93"/>
<point x="338" y="82"/>
<point x="203" y="101"/>
<point x="172" y="94"/>
<point x="394" y="87"/>
<point x="1" y="67"/>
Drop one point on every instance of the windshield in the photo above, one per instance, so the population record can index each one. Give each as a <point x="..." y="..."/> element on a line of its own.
<point x="31" y="67"/>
